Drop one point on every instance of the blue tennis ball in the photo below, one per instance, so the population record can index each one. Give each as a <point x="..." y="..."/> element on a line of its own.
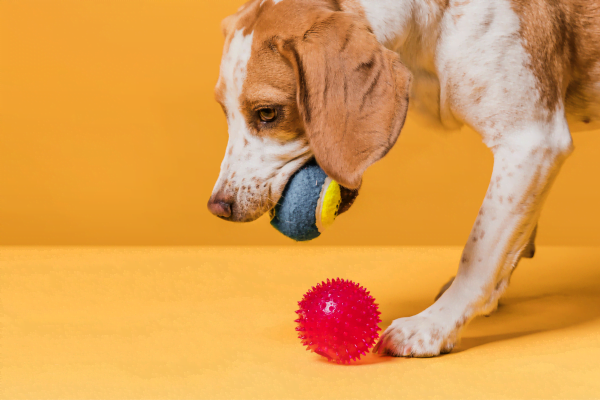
<point x="309" y="203"/>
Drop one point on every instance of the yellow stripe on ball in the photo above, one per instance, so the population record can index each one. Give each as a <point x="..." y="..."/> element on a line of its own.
<point x="331" y="204"/>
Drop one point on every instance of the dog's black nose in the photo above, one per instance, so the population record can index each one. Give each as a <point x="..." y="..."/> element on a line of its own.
<point x="220" y="205"/>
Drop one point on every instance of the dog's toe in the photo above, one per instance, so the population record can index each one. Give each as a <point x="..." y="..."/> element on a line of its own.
<point x="417" y="336"/>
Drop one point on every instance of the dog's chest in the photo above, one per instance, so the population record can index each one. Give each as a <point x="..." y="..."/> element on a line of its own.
<point x="425" y="99"/>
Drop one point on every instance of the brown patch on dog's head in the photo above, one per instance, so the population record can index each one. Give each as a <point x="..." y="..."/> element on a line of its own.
<point x="336" y="92"/>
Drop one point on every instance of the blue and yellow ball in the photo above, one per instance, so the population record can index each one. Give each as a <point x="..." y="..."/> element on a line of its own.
<point x="309" y="204"/>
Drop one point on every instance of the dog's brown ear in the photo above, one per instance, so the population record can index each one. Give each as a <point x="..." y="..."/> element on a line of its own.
<point x="351" y="91"/>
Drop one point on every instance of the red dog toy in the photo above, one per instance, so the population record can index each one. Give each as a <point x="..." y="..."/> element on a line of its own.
<point x="338" y="320"/>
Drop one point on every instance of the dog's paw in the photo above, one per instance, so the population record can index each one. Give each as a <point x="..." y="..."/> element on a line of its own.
<point x="418" y="336"/>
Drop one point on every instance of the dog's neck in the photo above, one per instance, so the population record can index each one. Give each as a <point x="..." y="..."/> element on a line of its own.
<point x="412" y="29"/>
<point x="409" y="27"/>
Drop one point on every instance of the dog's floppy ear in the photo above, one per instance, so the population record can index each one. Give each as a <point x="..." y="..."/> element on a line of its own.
<point x="352" y="93"/>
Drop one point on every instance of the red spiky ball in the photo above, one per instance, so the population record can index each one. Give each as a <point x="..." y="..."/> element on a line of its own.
<point x="338" y="320"/>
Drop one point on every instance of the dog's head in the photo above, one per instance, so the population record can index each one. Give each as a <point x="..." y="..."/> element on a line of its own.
<point x="302" y="79"/>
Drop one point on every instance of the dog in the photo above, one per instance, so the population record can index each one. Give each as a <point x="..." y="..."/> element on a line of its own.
<point x="333" y="79"/>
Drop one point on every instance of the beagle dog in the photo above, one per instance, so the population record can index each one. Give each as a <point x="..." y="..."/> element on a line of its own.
<point x="332" y="80"/>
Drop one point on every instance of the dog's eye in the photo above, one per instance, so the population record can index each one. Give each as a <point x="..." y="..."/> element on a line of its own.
<point x="267" y="114"/>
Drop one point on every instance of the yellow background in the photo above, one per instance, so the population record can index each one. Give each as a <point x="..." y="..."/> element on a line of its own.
<point x="109" y="134"/>
<point x="218" y="323"/>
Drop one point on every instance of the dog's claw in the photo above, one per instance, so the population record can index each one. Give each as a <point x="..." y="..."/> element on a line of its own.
<point x="378" y="345"/>
<point x="376" y="348"/>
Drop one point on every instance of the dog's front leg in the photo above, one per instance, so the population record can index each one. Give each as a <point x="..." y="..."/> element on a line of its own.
<point x="525" y="164"/>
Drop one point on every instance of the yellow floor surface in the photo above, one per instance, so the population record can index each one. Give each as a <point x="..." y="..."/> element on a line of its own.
<point x="217" y="323"/>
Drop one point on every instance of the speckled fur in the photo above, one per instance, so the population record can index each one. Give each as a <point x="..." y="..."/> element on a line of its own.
<point x="486" y="64"/>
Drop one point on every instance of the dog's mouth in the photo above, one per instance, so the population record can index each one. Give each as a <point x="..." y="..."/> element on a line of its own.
<point x="348" y="197"/>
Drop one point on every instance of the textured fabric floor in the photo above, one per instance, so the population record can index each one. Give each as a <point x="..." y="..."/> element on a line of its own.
<point x="217" y="323"/>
